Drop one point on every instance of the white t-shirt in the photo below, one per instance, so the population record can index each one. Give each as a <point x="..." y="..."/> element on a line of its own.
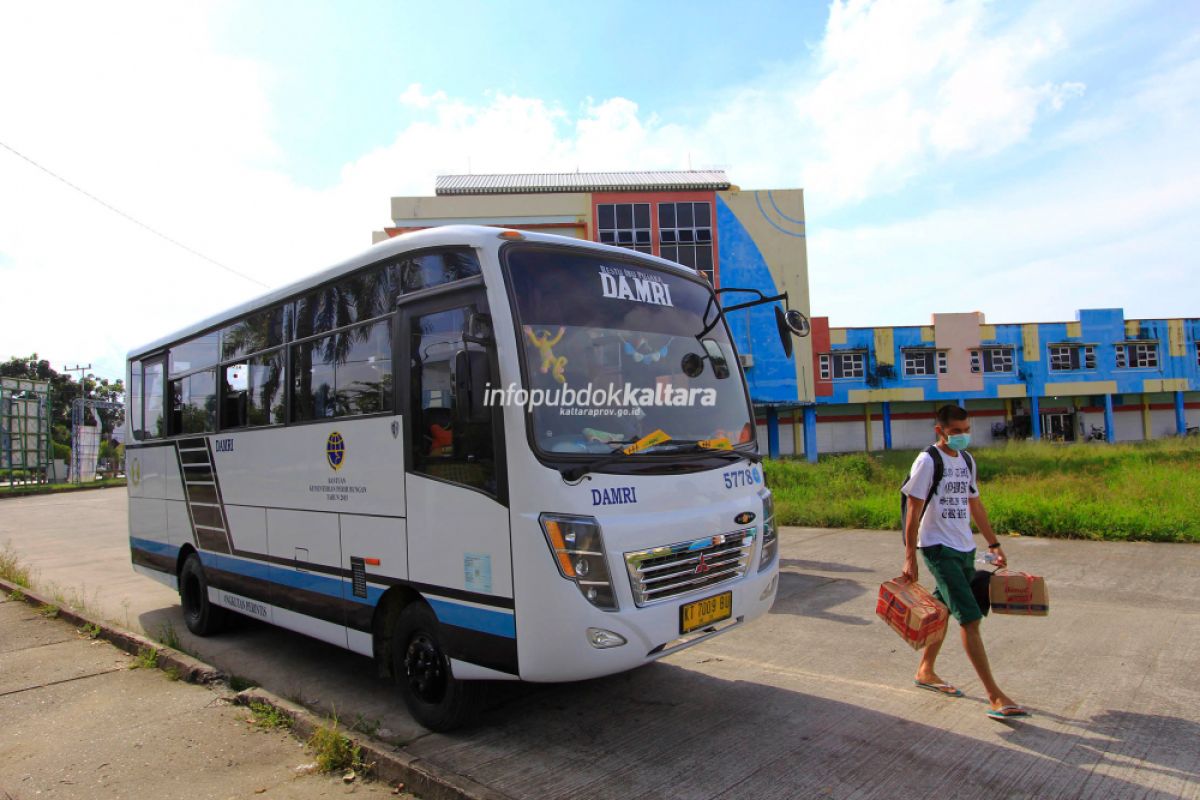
<point x="947" y="521"/>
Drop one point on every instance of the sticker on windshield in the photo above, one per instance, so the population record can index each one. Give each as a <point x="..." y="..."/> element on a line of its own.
<point x="626" y="283"/>
<point x="647" y="441"/>
<point x="720" y="443"/>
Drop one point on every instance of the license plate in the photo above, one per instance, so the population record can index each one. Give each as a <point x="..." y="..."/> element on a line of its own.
<point x="705" y="612"/>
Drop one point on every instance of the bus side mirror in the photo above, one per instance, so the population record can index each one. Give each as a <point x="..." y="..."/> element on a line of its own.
<point x="479" y="328"/>
<point x="715" y="357"/>
<point x="470" y="384"/>
<point x="788" y="323"/>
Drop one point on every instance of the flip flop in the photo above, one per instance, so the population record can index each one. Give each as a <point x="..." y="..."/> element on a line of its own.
<point x="1007" y="712"/>
<point x="940" y="688"/>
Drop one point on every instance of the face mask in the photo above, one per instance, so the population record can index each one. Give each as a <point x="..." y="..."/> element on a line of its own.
<point x="959" y="441"/>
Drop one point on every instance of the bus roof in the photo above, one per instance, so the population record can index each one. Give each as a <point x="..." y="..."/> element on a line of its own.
<point x="443" y="236"/>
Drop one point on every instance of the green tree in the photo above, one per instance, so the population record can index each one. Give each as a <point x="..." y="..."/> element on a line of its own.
<point x="64" y="390"/>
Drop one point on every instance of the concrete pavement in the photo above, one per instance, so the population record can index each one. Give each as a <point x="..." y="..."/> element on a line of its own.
<point x="78" y="721"/>
<point x="816" y="699"/>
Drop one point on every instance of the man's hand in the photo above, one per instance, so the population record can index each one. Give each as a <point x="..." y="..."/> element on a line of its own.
<point x="910" y="566"/>
<point x="1001" y="559"/>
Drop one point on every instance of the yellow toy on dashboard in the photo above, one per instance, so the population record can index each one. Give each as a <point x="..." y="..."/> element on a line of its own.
<point x="555" y="365"/>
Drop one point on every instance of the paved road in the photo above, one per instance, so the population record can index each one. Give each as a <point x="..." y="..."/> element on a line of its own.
<point x="78" y="722"/>
<point x="813" y="700"/>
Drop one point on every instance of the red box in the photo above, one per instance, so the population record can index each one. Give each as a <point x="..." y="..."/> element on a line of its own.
<point x="912" y="612"/>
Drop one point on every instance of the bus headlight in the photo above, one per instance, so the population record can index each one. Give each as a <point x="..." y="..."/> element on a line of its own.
<point x="770" y="539"/>
<point x="578" y="550"/>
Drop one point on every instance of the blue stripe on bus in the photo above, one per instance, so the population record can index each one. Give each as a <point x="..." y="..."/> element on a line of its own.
<point x="309" y="581"/>
<point x="151" y="546"/>
<point x="476" y="619"/>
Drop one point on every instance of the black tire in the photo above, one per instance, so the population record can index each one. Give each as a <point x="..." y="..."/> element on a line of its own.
<point x="421" y="668"/>
<point x="201" y="616"/>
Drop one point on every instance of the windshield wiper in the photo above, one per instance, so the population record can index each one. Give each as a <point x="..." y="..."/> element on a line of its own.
<point x="577" y="471"/>
<point x="698" y="446"/>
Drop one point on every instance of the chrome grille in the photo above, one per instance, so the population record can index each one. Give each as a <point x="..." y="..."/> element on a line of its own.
<point x="674" y="569"/>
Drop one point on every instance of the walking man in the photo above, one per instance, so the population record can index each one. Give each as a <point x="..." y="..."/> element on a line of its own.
<point x="943" y="534"/>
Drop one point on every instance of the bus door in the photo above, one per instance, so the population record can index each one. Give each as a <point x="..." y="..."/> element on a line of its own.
<point x="455" y="487"/>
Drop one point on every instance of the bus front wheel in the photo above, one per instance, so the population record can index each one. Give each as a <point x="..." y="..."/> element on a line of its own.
<point x="199" y="614"/>
<point x="434" y="697"/>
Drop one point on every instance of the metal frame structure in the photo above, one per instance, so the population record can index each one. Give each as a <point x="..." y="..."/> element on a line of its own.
<point x="25" y="425"/>
<point x="79" y="452"/>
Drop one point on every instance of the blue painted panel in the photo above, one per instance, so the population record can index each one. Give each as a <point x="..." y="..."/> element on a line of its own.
<point x="772" y="379"/>
<point x="485" y="620"/>
<point x="310" y="581"/>
<point x="158" y="548"/>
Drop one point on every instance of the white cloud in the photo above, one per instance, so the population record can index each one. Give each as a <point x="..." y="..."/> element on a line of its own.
<point x="139" y="107"/>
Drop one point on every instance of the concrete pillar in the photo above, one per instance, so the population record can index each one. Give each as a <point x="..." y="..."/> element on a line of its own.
<point x="810" y="433"/>
<point x="797" y="437"/>
<point x="1035" y="416"/>
<point x="1147" y="428"/>
<point x="1180" y="415"/>
<point x="887" y="425"/>
<point x="1110" y="432"/>
<point x="772" y="432"/>
<point x="1008" y="410"/>
<point x="867" y="426"/>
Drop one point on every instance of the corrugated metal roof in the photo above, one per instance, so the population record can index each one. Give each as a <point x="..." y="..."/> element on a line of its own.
<point x="532" y="183"/>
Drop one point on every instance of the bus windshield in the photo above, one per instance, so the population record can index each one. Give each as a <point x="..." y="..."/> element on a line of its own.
<point x="618" y="352"/>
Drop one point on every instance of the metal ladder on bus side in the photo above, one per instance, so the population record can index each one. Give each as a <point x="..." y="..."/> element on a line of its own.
<point x="202" y="490"/>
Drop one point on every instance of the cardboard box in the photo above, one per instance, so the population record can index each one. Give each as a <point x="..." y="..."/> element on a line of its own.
<point x="912" y="612"/>
<point x="1019" y="593"/>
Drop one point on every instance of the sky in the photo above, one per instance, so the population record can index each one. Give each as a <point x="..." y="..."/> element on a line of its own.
<point x="1023" y="159"/>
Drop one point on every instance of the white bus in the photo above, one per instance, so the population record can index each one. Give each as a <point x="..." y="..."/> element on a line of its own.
<point x="386" y="456"/>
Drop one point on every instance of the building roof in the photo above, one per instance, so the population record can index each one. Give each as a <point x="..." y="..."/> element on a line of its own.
<point x="533" y="183"/>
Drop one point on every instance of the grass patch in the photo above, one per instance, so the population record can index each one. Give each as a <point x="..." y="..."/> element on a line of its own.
<point x="48" y="610"/>
<point x="172" y="673"/>
<point x="167" y="635"/>
<point x="269" y="717"/>
<point x="90" y="630"/>
<point x="11" y="568"/>
<point x="24" y="490"/>
<point x="147" y="658"/>
<point x="1137" y="492"/>
<point x="17" y="596"/>
<point x="334" y="752"/>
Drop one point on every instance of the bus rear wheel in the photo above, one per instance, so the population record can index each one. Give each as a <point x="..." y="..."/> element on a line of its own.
<point x="199" y="614"/>
<point x="434" y="697"/>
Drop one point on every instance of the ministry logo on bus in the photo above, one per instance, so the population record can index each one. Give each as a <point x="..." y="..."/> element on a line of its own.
<point x="335" y="450"/>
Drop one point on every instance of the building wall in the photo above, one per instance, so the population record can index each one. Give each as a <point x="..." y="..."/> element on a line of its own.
<point x="566" y="213"/>
<point x="758" y="242"/>
<point x="996" y="397"/>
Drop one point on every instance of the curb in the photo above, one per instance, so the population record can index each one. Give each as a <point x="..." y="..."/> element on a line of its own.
<point x="388" y="763"/>
<point x="189" y="669"/>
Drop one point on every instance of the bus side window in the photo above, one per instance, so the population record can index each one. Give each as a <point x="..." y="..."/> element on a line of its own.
<point x="153" y="419"/>
<point x="444" y="445"/>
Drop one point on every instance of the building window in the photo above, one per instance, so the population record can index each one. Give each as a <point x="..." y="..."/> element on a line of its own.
<point x="924" y="361"/>
<point x="997" y="359"/>
<point x="1065" y="357"/>
<point x="976" y="362"/>
<point x="625" y="225"/>
<point x="833" y="366"/>
<point x="1137" y="355"/>
<point x="685" y="235"/>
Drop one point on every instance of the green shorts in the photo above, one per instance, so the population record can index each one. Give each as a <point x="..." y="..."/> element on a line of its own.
<point x="953" y="570"/>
